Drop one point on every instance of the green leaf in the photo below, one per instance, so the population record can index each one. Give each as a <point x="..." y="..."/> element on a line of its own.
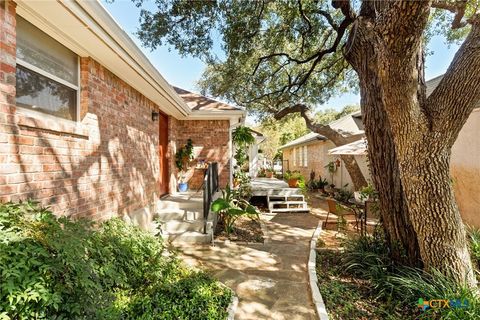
<point x="219" y="205"/>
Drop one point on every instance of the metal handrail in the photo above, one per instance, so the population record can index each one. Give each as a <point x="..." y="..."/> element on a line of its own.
<point x="210" y="186"/>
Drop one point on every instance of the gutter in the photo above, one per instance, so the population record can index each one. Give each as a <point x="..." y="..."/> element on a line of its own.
<point x="104" y="26"/>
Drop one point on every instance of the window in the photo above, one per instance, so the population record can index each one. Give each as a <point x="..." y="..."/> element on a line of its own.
<point x="47" y="73"/>
<point x="300" y="158"/>
<point x="294" y="156"/>
<point x="305" y="162"/>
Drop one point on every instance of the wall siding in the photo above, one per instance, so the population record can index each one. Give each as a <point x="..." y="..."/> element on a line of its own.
<point x="211" y="143"/>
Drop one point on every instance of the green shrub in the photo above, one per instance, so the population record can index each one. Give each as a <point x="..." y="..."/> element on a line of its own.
<point x="367" y="258"/>
<point x="474" y="239"/>
<point x="57" y="268"/>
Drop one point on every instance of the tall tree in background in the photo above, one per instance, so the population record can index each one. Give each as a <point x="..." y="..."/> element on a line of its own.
<point x="283" y="57"/>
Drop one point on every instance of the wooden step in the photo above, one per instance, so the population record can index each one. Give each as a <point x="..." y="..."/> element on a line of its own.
<point x="288" y="202"/>
<point x="291" y="210"/>
<point x="300" y="196"/>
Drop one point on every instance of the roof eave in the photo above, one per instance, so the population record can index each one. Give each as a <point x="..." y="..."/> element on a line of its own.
<point x="108" y="44"/>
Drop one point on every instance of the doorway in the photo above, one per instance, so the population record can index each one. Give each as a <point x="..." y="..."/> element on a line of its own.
<point x="163" y="149"/>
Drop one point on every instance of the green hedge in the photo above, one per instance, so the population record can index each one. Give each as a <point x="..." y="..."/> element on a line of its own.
<point x="58" y="268"/>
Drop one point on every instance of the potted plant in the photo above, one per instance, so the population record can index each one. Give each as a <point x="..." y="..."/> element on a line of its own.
<point x="322" y="183"/>
<point x="331" y="168"/>
<point x="293" y="178"/>
<point x="269" y="172"/>
<point x="183" y="158"/>
<point x="365" y="193"/>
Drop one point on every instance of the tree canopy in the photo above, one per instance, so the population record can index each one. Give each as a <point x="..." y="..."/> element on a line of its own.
<point x="279" y="53"/>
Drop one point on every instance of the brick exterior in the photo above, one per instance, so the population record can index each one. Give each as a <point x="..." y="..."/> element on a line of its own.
<point x="105" y="165"/>
<point x="211" y="143"/>
<point x="318" y="158"/>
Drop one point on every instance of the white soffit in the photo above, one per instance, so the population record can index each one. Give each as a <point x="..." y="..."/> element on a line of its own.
<point x="87" y="28"/>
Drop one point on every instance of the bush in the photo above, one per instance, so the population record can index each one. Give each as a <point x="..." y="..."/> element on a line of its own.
<point x="57" y="268"/>
<point x="368" y="258"/>
<point x="474" y="237"/>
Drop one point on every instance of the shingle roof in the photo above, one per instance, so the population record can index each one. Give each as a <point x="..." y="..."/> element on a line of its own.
<point x="349" y="125"/>
<point x="309" y="137"/>
<point x="198" y="102"/>
<point x="432" y="84"/>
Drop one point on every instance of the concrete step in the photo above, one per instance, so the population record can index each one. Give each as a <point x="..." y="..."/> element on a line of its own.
<point x="187" y="237"/>
<point x="179" y="214"/>
<point x="174" y="226"/>
<point x="178" y="203"/>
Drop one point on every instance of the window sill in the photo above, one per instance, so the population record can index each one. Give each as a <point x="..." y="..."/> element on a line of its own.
<point x="36" y="120"/>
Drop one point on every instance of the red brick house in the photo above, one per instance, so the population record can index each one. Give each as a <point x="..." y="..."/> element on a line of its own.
<point x="87" y="125"/>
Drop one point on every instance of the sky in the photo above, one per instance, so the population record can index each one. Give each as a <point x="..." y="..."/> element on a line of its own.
<point x="184" y="72"/>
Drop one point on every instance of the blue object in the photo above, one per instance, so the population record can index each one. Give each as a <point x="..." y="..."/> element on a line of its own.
<point x="182" y="186"/>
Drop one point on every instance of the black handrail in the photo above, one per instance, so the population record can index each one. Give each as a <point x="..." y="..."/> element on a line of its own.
<point x="210" y="186"/>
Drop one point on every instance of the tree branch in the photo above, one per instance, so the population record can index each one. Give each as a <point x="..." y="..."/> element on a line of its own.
<point x="458" y="93"/>
<point x="458" y="8"/>
<point x="336" y="137"/>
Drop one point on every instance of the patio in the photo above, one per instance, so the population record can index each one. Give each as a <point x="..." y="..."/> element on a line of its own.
<point x="270" y="279"/>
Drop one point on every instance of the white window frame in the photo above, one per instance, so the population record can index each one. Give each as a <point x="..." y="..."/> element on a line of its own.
<point x="59" y="80"/>
<point x="305" y="156"/>
<point x="300" y="156"/>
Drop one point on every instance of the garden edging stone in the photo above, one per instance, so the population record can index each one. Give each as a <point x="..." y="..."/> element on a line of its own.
<point x="312" y="276"/>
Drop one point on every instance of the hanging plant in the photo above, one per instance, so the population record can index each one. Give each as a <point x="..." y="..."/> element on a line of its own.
<point x="184" y="156"/>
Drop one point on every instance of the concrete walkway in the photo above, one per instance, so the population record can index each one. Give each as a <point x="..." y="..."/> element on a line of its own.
<point x="270" y="279"/>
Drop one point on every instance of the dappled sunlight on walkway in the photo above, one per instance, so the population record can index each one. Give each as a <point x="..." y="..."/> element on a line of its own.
<point x="269" y="279"/>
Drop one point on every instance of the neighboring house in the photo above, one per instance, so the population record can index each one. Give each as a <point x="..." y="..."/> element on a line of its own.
<point x="313" y="152"/>
<point x="310" y="152"/>
<point x="87" y="125"/>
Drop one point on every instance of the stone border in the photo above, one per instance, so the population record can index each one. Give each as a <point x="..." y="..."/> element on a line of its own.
<point x="232" y="307"/>
<point x="266" y="236"/>
<point x="312" y="276"/>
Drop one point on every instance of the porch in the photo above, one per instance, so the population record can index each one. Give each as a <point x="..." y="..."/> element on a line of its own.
<point x="280" y="197"/>
<point x="186" y="217"/>
<point x="264" y="186"/>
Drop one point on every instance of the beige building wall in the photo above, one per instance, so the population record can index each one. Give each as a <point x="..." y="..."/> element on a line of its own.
<point x="465" y="170"/>
<point x="318" y="158"/>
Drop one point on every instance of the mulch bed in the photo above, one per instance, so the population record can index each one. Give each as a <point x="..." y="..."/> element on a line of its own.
<point x="245" y="230"/>
<point x="347" y="297"/>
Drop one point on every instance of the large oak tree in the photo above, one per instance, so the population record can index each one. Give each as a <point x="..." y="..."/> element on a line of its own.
<point x="281" y="57"/>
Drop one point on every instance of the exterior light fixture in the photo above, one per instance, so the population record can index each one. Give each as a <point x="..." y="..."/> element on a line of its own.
<point x="155" y="116"/>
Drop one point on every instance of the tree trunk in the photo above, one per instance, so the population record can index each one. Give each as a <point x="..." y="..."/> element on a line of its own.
<point x="383" y="163"/>
<point x="410" y="137"/>
<point x="353" y="169"/>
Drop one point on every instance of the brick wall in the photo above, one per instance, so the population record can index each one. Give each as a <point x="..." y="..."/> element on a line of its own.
<point x="210" y="141"/>
<point x="317" y="159"/>
<point x="105" y="165"/>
